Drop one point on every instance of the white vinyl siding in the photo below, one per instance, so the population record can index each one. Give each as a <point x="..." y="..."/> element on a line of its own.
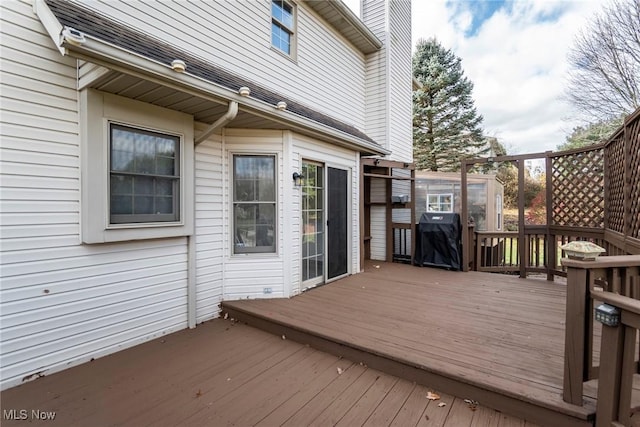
<point x="63" y="303"/>
<point x="236" y="35"/>
<point x="209" y="227"/>
<point x="400" y="81"/>
<point x="389" y="83"/>
<point x="378" y="219"/>
<point x="376" y="88"/>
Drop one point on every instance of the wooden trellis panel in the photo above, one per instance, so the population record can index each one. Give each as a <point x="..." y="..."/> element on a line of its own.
<point x="615" y="183"/>
<point x="578" y="189"/>
<point x="632" y="133"/>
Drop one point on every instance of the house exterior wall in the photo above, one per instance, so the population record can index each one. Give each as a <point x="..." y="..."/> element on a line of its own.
<point x="326" y="74"/>
<point x="388" y="100"/>
<point x="389" y="78"/>
<point x="64" y="303"/>
<point x="209" y="226"/>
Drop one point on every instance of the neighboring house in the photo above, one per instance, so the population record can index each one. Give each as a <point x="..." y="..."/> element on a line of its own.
<point x="440" y="192"/>
<point x="142" y="183"/>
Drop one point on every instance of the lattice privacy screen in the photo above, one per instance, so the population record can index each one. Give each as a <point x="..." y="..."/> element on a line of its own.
<point x="615" y="190"/>
<point x="578" y="189"/>
<point x="633" y="134"/>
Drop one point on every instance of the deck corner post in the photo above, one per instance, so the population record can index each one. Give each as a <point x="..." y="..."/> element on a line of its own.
<point x="610" y="374"/>
<point x="575" y="335"/>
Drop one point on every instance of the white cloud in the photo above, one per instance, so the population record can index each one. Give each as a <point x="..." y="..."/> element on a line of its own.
<point x="516" y="60"/>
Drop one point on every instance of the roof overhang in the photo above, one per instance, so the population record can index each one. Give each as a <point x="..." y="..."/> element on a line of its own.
<point x="119" y="61"/>
<point x="346" y="23"/>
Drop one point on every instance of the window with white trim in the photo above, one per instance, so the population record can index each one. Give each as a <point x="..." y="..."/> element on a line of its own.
<point x="137" y="170"/>
<point x="440" y="202"/>
<point x="144" y="175"/>
<point x="283" y="26"/>
<point x="254" y="203"/>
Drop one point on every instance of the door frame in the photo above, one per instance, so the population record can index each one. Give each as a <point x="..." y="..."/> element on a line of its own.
<point x="350" y="226"/>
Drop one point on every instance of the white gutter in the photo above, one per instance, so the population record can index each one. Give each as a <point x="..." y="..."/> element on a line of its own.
<point x="226" y="118"/>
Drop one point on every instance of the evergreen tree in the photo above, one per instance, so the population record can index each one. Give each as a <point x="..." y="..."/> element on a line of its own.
<point x="446" y="125"/>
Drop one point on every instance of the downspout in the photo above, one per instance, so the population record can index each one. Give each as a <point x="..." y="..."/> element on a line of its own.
<point x="191" y="240"/>
<point x="223" y="120"/>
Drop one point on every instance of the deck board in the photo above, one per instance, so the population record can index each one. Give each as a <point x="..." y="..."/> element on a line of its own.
<point x="225" y="373"/>
<point x="496" y="331"/>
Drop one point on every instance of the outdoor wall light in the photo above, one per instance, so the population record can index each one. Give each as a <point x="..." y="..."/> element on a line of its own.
<point x="298" y="179"/>
<point x="281" y="105"/>
<point x="73" y="36"/>
<point x="608" y="315"/>
<point x="244" y="91"/>
<point x="178" y="66"/>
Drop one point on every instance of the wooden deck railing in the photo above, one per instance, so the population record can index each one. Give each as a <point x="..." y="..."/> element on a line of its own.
<point x="617" y="359"/>
<point x="617" y="274"/>
<point x="503" y="251"/>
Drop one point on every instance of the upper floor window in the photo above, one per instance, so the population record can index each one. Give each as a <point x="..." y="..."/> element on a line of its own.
<point x="283" y="26"/>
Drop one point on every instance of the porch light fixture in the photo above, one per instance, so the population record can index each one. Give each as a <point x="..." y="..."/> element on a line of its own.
<point x="608" y="315"/>
<point x="178" y="66"/>
<point x="298" y="179"/>
<point x="244" y="91"/>
<point x="73" y="36"/>
<point x="281" y="105"/>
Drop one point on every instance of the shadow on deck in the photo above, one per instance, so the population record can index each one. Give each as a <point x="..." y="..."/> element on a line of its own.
<point x="496" y="339"/>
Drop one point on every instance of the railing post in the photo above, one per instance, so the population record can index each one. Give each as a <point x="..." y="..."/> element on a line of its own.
<point x="464" y="215"/>
<point x="522" y="245"/>
<point x="610" y="374"/>
<point x="473" y="262"/>
<point x="575" y="339"/>
<point x="551" y="243"/>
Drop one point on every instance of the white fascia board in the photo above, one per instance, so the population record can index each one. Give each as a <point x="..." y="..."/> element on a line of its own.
<point x="50" y="23"/>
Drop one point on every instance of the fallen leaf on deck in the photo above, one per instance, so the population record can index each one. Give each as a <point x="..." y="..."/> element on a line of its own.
<point x="473" y="405"/>
<point x="441" y="404"/>
<point x="340" y="371"/>
<point x="283" y="337"/>
<point x="433" y="396"/>
<point x="199" y="393"/>
<point x="226" y="316"/>
<point x="376" y="266"/>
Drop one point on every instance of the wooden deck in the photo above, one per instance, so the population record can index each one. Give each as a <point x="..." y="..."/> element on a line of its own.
<point x="224" y="373"/>
<point x="496" y="339"/>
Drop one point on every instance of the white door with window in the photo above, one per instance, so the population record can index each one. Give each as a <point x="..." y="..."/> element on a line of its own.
<point x="313" y="221"/>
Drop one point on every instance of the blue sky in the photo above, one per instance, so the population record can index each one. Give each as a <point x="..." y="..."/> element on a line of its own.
<point x="515" y="54"/>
